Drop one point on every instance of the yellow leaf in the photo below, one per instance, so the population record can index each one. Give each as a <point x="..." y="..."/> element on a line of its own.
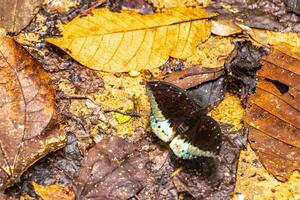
<point x="123" y="118"/>
<point x="53" y="192"/>
<point x="121" y="42"/>
<point x="176" y="3"/>
<point x="275" y="38"/>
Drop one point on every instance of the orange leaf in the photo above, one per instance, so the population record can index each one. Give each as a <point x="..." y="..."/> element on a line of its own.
<point x="273" y="114"/>
<point x="28" y="119"/>
<point x="53" y="192"/>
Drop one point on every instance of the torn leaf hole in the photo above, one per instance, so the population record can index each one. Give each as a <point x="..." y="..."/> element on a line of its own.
<point x="283" y="88"/>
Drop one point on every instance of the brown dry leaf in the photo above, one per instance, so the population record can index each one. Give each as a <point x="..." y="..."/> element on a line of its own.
<point x="275" y="38"/>
<point x="53" y="192"/>
<point x="193" y="76"/>
<point x="15" y="14"/>
<point x="224" y="27"/>
<point x="112" y="169"/>
<point x="273" y="114"/>
<point x="126" y="41"/>
<point x="28" y="119"/>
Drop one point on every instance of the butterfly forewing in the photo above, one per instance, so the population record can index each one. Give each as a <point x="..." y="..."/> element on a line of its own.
<point x="172" y="101"/>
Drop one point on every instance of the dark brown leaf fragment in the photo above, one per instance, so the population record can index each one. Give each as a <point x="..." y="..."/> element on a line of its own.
<point x="28" y="119"/>
<point x="112" y="169"/>
<point x="273" y="114"/>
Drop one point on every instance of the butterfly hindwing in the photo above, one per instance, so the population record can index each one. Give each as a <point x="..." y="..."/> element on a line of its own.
<point x="203" y="138"/>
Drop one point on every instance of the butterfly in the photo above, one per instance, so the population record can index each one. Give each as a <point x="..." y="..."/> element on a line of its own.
<point x="176" y="119"/>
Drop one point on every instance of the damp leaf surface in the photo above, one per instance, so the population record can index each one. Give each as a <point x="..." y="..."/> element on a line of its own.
<point x="28" y="119"/>
<point x="126" y="41"/>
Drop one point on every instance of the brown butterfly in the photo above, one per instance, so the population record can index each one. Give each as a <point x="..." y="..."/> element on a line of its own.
<point x="177" y="119"/>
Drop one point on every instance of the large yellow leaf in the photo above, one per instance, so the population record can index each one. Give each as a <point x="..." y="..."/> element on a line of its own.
<point x="120" y="42"/>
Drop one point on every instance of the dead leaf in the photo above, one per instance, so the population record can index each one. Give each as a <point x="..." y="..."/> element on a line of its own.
<point x="241" y="68"/>
<point x="224" y="27"/>
<point x="53" y="192"/>
<point x="193" y="76"/>
<point x="112" y="169"/>
<point x="177" y="3"/>
<point x="28" y="119"/>
<point x="273" y="114"/>
<point x="275" y="38"/>
<point x="15" y="14"/>
<point x="125" y="41"/>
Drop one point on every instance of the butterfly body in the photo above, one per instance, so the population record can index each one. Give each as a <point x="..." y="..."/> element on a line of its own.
<point x="175" y="118"/>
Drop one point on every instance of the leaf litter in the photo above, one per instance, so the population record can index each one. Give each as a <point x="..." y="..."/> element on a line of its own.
<point x="29" y="122"/>
<point x="76" y="122"/>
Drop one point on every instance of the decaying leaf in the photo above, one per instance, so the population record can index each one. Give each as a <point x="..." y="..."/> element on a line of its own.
<point x="125" y="41"/>
<point x="273" y="114"/>
<point x="15" y="14"/>
<point x="53" y="192"/>
<point x="28" y="119"/>
<point x="241" y="68"/>
<point x="112" y="169"/>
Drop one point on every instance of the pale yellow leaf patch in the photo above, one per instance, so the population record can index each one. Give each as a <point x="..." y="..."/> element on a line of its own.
<point x="126" y="41"/>
<point x="224" y="27"/>
<point x="275" y="38"/>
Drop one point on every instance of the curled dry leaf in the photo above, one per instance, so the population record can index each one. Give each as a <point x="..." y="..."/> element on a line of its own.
<point x="224" y="27"/>
<point x="112" y="169"/>
<point x="273" y="114"/>
<point x="53" y="192"/>
<point x="15" y="14"/>
<point x="28" y="125"/>
<point x="125" y="41"/>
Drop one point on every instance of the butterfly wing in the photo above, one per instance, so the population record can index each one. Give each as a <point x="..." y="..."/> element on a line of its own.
<point x="205" y="133"/>
<point x="170" y="102"/>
